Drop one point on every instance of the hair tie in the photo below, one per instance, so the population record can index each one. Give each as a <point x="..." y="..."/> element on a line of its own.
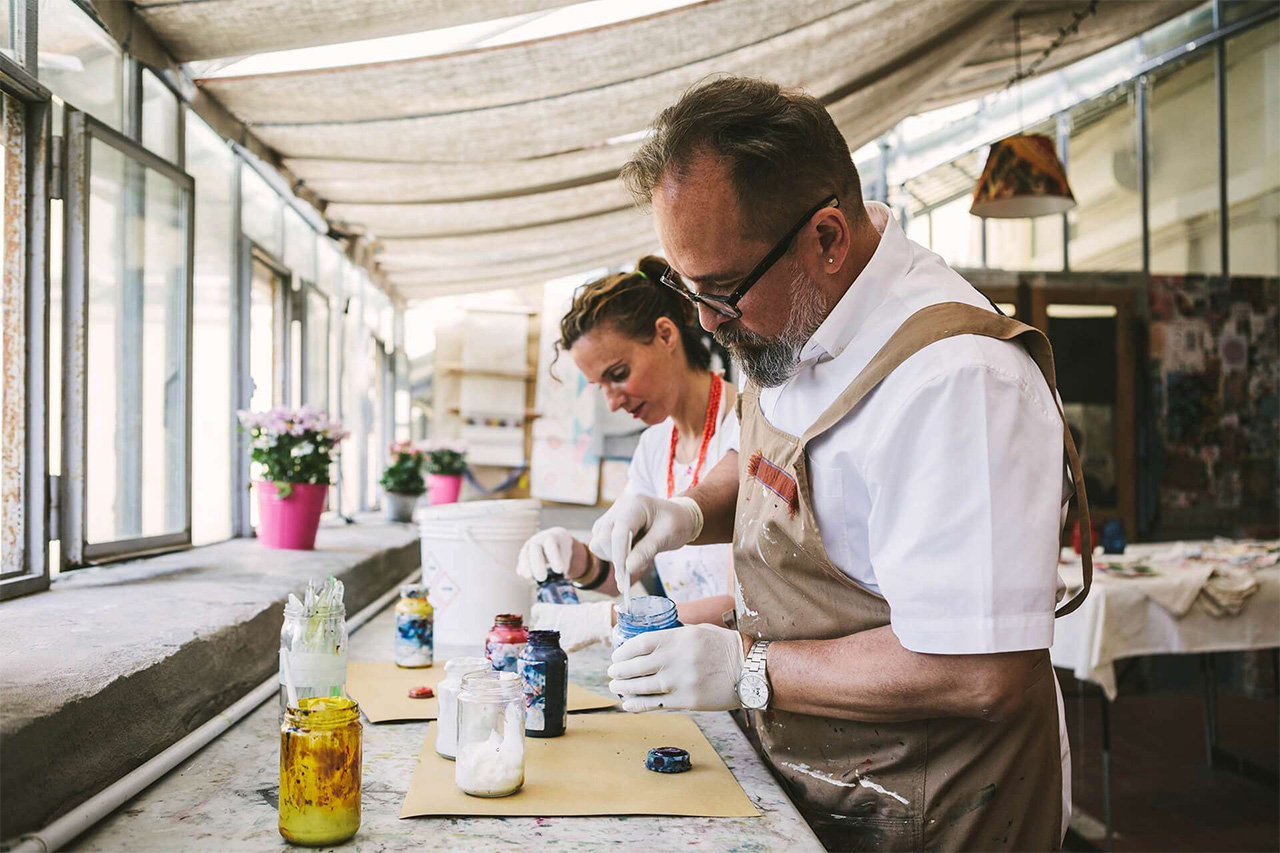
<point x="641" y="273"/>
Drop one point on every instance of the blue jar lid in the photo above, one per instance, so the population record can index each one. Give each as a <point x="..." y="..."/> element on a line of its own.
<point x="414" y="590"/>
<point x="668" y="759"/>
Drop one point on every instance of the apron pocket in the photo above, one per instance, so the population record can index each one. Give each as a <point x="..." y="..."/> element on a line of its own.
<point x="849" y="833"/>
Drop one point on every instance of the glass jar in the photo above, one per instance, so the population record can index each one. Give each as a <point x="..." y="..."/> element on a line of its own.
<point x="490" y="759"/>
<point x="315" y="646"/>
<point x="320" y="758"/>
<point x="556" y="590"/>
<point x="647" y="613"/>
<point x="447" y="701"/>
<point x="544" y="678"/>
<point x="505" y="641"/>
<point x="415" y="619"/>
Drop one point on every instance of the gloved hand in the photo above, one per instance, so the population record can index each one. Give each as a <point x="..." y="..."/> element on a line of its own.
<point x="579" y="625"/>
<point x="549" y="548"/>
<point x="657" y="526"/>
<point x="695" y="667"/>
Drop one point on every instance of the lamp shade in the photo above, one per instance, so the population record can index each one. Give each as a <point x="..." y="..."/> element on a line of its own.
<point x="1023" y="178"/>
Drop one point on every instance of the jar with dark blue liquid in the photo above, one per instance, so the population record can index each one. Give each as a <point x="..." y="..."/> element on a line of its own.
<point x="647" y="613"/>
<point x="544" y="677"/>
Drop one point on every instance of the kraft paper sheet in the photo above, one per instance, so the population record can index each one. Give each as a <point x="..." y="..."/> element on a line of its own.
<point x="382" y="689"/>
<point x="595" y="768"/>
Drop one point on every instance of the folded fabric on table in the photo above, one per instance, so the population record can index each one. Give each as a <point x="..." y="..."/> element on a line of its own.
<point x="1227" y="590"/>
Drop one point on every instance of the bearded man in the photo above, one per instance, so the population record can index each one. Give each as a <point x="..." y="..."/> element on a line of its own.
<point x="895" y="501"/>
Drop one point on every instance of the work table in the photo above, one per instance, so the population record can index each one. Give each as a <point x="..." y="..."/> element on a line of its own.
<point x="224" y="797"/>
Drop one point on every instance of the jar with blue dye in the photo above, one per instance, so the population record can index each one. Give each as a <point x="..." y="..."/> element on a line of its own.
<point x="647" y="613"/>
<point x="544" y="677"/>
<point x="415" y="627"/>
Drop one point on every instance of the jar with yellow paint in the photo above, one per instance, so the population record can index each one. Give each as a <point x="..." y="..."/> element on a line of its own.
<point x="320" y="752"/>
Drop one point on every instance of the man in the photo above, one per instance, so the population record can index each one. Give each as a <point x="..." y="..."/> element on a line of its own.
<point x="895" y="504"/>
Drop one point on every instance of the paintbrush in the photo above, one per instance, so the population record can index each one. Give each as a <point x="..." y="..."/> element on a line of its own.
<point x="622" y="576"/>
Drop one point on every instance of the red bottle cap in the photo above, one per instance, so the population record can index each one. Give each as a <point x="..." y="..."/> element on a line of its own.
<point x="421" y="693"/>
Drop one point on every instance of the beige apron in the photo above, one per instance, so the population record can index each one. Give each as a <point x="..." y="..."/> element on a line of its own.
<point x="941" y="784"/>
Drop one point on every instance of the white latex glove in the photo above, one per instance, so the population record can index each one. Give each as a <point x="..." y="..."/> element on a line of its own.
<point x="695" y="667"/>
<point x="549" y="548"/>
<point x="580" y="625"/>
<point x="656" y="525"/>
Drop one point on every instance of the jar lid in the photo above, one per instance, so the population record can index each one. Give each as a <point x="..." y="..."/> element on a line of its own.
<point x="509" y="620"/>
<point x="544" y="638"/>
<point x="668" y="759"/>
<point x="414" y="590"/>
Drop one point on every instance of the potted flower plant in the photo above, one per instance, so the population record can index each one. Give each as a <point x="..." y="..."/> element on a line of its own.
<point x="446" y="463"/>
<point x="403" y="481"/>
<point x="292" y="451"/>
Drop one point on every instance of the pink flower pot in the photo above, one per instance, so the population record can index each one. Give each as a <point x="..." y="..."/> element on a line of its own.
<point x="444" y="488"/>
<point x="290" y="522"/>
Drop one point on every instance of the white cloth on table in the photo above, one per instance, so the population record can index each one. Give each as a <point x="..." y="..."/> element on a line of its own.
<point x="1120" y="620"/>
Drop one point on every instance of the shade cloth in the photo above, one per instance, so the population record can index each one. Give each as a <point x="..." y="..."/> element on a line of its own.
<point x="531" y="135"/>
<point x="1121" y="619"/>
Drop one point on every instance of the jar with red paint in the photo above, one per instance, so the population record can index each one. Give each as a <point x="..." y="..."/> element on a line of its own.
<point x="506" y="641"/>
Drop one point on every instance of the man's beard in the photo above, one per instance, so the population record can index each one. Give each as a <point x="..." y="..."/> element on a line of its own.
<point x="770" y="362"/>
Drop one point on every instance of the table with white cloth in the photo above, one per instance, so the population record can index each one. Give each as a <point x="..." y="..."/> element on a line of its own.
<point x="1168" y="598"/>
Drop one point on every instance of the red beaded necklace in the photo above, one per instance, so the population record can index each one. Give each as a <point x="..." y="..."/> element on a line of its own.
<point x="708" y="430"/>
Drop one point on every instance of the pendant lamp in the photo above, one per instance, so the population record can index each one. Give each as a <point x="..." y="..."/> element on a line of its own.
<point x="1023" y="178"/>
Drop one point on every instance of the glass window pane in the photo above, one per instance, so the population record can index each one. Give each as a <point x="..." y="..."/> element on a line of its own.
<point x="957" y="234"/>
<point x="212" y="165"/>
<point x="159" y="117"/>
<point x="12" y="338"/>
<point x="1025" y="244"/>
<point x="136" y="465"/>
<point x="317" y="377"/>
<point x="1253" y="153"/>
<point x="299" y="246"/>
<point x="6" y="31"/>
<point x="1183" y="144"/>
<point x="1102" y="166"/>
<point x="329" y="271"/>
<point x="259" y="210"/>
<point x="352" y="378"/>
<point x="262" y="338"/>
<point x="80" y="62"/>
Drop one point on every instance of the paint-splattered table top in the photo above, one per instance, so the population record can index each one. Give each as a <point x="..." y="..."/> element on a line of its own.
<point x="224" y="797"/>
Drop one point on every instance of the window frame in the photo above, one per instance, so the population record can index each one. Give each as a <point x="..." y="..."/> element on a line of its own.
<point x="34" y="163"/>
<point x="82" y="130"/>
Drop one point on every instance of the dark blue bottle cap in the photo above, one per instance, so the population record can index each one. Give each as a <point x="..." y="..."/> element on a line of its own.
<point x="668" y="759"/>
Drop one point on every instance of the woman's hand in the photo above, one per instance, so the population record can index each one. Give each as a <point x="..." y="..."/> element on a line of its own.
<point x="552" y="549"/>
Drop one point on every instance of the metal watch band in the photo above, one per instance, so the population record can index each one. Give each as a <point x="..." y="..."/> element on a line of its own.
<point x="756" y="662"/>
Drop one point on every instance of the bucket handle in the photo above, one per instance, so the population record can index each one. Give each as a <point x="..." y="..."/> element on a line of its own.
<point x="467" y="534"/>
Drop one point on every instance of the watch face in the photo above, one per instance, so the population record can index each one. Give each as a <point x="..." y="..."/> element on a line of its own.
<point x="753" y="691"/>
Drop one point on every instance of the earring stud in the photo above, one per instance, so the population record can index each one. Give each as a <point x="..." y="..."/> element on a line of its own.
<point x="831" y="260"/>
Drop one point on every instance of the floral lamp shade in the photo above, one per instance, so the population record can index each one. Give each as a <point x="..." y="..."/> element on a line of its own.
<point x="1023" y="178"/>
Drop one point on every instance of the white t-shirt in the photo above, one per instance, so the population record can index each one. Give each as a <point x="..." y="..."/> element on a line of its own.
<point x="694" y="571"/>
<point x="943" y="490"/>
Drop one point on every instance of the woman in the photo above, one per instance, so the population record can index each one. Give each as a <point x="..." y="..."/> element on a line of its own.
<point x="641" y="343"/>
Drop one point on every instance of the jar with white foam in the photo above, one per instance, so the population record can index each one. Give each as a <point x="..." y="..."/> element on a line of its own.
<point x="490" y="760"/>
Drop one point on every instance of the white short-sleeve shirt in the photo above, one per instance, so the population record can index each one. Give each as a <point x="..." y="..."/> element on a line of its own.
<point x="943" y="490"/>
<point x="694" y="571"/>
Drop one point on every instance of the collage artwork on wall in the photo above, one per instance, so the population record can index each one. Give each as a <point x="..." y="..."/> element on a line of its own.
<point x="1215" y="388"/>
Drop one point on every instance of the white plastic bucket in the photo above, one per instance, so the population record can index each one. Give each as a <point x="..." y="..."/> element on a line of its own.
<point x="469" y="553"/>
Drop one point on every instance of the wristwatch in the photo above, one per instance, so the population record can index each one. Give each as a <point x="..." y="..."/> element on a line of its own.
<point x="753" y="684"/>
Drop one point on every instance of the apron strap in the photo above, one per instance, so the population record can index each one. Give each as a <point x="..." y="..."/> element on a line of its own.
<point x="946" y="320"/>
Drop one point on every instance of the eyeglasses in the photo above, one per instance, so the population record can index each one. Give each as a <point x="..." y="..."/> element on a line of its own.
<point x="727" y="306"/>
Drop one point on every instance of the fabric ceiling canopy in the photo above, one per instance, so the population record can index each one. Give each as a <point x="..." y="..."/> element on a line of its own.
<point x="211" y="29"/>
<point x="467" y="165"/>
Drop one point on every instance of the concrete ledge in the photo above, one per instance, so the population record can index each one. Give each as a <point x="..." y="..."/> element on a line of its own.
<point x="114" y="664"/>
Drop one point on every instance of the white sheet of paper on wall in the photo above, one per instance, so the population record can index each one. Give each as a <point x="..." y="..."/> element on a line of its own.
<point x="496" y="341"/>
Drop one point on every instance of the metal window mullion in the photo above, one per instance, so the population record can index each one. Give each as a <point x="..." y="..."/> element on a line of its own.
<point x="186" y="304"/>
<point x="35" y="532"/>
<point x="75" y="321"/>
<point x="1220" y="79"/>
<point x="26" y="32"/>
<point x="1064" y="154"/>
<point x="1141" y="88"/>
<point x="242" y="384"/>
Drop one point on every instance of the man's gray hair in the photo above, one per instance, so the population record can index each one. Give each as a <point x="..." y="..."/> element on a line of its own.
<point x="783" y="151"/>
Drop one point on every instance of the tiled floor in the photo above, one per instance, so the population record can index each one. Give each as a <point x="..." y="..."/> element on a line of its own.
<point x="1164" y="796"/>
